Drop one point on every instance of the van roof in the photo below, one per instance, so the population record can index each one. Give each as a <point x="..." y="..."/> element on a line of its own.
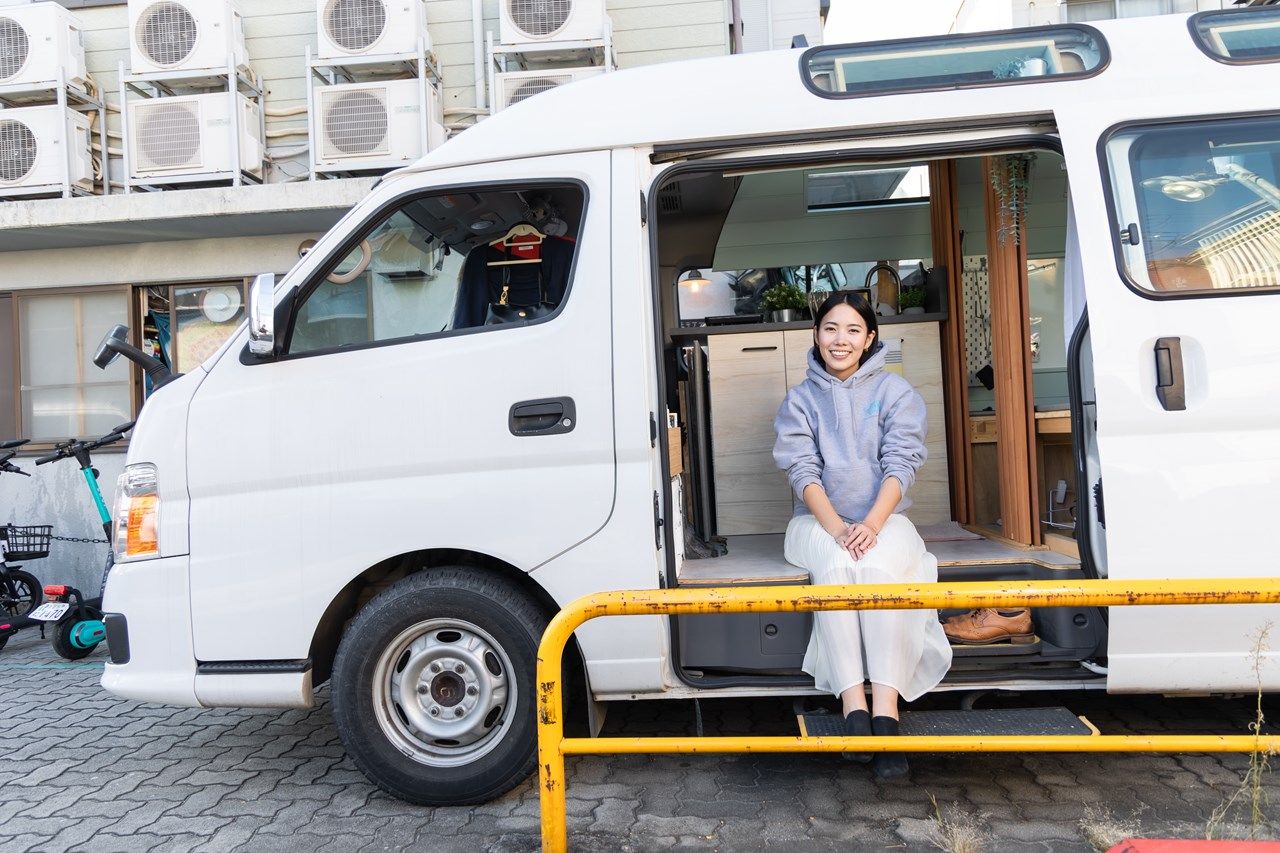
<point x="744" y="97"/>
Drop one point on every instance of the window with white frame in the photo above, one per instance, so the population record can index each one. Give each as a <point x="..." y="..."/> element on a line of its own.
<point x="61" y="394"/>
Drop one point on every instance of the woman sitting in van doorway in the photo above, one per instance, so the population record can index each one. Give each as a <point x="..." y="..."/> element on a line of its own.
<point x="851" y="439"/>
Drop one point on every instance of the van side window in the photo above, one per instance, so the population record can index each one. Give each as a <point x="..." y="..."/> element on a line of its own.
<point x="1238" y="36"/>
<point x="444" y="263"/>
<point x="1196" y="205"/>
<point x="953" y="61"/>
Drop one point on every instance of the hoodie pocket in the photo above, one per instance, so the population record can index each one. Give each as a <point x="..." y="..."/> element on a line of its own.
<point x="851" y="489"/>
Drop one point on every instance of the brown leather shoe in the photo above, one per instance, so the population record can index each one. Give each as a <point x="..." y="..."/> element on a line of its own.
<point x="986" y="626"/>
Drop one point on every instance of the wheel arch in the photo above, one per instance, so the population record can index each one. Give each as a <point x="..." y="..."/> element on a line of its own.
<point x="363" y="587"/>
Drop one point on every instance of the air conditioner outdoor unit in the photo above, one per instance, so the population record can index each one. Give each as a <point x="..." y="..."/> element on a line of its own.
<point x="37" y="39"/>
<point x="184" y="35"/>
<point x="367" y="27"/>
<point x="516" y="86"/>
<point x="190" y="135"/>
<point x="373" y="125"/>
<point x="39" y="145"/>
<point x="525" y="21"/>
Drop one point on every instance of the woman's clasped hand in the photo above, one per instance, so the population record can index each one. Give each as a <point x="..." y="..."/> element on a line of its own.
<point x="858" y="538"/>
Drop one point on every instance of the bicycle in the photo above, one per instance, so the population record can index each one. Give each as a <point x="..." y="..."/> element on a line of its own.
<point x="20" y="591"/>
<point x="79" y="628"/>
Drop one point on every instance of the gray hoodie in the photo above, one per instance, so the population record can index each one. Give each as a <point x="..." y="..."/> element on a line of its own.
<point x="849" y="436"/>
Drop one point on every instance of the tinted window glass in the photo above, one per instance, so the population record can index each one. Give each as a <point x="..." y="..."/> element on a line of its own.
<point x="952" y="62"/>
<point x="1251" y="35"/>
<point x="1203" y="200"/>
<point x="446" y="262"/>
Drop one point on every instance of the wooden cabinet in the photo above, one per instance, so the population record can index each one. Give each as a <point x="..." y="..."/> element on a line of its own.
<point x="748" y="379"/>
<point x="750" y="374"/>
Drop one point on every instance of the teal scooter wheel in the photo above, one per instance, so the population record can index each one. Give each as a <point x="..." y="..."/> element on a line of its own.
<point x="75" y="638"/>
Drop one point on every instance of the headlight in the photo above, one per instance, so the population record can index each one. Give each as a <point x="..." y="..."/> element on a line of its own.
<point x="137" y="519"/>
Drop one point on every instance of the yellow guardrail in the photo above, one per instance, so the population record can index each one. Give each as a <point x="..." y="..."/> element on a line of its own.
<point x="553" y="746"/>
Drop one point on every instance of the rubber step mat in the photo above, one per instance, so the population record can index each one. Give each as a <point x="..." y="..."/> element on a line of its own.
<point x="1005" y="721"/>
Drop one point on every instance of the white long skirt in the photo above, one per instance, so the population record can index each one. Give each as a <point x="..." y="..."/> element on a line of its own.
<point x="903" y="649"/>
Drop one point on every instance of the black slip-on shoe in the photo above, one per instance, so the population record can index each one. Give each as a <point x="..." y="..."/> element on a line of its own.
<point x="857" y="724"/>
<point x="888" y="765"/>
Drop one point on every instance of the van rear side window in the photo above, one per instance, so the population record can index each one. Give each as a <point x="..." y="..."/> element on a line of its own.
<point x="1197" y="205"/>
<point x="954" y="62"/>
<point x="1239" y="36"/>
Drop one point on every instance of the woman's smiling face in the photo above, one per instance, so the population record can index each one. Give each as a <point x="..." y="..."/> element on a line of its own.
<point x="842" y="338"/>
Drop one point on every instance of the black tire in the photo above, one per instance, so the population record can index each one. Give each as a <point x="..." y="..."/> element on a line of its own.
<point x="62" y="638"/>
<point x="428" y="623"/>
<point x="27" y="593"/>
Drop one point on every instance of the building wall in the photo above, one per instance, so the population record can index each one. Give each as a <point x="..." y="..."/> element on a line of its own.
<point x="1036" y="13"/>
<point x="277" y="35"/>
<point x="773" y="24"/>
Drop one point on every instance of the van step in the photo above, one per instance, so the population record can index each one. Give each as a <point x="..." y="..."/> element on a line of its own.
<point x="996" y="649"/>
<point x="1006" y="721"/>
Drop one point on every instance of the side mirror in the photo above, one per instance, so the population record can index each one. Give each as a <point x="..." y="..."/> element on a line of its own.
<point x="109" y="349"/>
<point x="262" y="316"/>
<point x="116" y="344"/>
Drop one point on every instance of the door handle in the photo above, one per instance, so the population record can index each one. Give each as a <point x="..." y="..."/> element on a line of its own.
<point x="551" y="416"/>
<point x="1171" y="387"/>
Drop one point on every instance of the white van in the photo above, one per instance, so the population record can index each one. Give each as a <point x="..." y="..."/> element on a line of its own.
<point x="390" y="479"/>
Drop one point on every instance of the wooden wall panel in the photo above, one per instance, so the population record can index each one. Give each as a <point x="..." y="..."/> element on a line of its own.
<point x="1011" y="358"/>
<point x="944" y="207"/>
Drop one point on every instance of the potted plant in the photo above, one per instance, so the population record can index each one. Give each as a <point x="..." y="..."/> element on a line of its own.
<point x="785" y="303"/>
<point x="911" y="300"/>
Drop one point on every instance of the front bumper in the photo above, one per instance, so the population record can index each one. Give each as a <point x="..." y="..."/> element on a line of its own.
<point x="154" y="597"/>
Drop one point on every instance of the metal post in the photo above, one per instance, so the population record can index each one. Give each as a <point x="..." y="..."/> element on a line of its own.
<point x="233" y="88"/>
<point x="314" y="153"/>
<point x="67" y="132"/>
<point x="105" y="141"/>
<point x="424" y="122"/>
<point x="125" y="140"/>
<point x="551" y="781"/>
<point x="492" y="100"/>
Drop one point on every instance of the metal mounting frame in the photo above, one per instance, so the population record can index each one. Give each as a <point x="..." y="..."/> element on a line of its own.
<point x="232" y="81"/>
<point x="540" y="56"/>
<point x="368" y="69"/>
<point x="66" y="97"/>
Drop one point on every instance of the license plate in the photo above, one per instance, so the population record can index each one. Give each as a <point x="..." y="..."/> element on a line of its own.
<point x="50" y="611"/>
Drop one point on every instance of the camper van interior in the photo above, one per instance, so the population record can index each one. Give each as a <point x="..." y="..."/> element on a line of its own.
<point x="966" y="261"/>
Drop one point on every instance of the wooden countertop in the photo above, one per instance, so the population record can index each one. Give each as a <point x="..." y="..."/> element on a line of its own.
<point x="742" y="328"/>
<point x="983" y="425"/>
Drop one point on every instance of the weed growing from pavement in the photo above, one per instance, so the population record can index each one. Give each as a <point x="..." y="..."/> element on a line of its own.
<point x="1103" y="830"/>
<point x="957" y="831"/>
<point x="1250" y="788"/>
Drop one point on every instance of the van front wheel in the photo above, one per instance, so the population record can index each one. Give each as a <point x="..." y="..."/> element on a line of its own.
<point x="433" y="692"/>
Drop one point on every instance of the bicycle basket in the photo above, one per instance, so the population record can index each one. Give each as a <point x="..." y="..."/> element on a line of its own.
<point x="27" y="542"/>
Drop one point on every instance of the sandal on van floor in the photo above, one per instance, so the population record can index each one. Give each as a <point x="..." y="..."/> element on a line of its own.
<point x="888" y="765"/>
<point x="857" y="724"/>
<point x="986" y="626"/>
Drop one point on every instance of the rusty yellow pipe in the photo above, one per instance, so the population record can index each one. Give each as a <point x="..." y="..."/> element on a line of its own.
<point x="922" y="743"/>
<point x="552" y="747"/>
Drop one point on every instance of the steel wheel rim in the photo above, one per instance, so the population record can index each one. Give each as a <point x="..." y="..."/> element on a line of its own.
<point x="444" y="692"/>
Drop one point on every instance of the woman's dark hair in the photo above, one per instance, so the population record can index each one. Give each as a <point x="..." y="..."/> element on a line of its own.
<point x="858" y="302"/>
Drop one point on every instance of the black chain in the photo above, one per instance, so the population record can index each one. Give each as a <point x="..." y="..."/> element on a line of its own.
<point x="79" y="539"/>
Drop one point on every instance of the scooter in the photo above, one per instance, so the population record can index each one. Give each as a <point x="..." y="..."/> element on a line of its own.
<point x="79" y="627"/>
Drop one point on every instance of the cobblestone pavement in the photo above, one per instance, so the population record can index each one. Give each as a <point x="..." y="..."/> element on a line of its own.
<point x="80" y="769"/>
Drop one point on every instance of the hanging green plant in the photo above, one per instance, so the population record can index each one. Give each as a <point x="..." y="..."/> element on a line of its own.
<point x="1011" y="181"/>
